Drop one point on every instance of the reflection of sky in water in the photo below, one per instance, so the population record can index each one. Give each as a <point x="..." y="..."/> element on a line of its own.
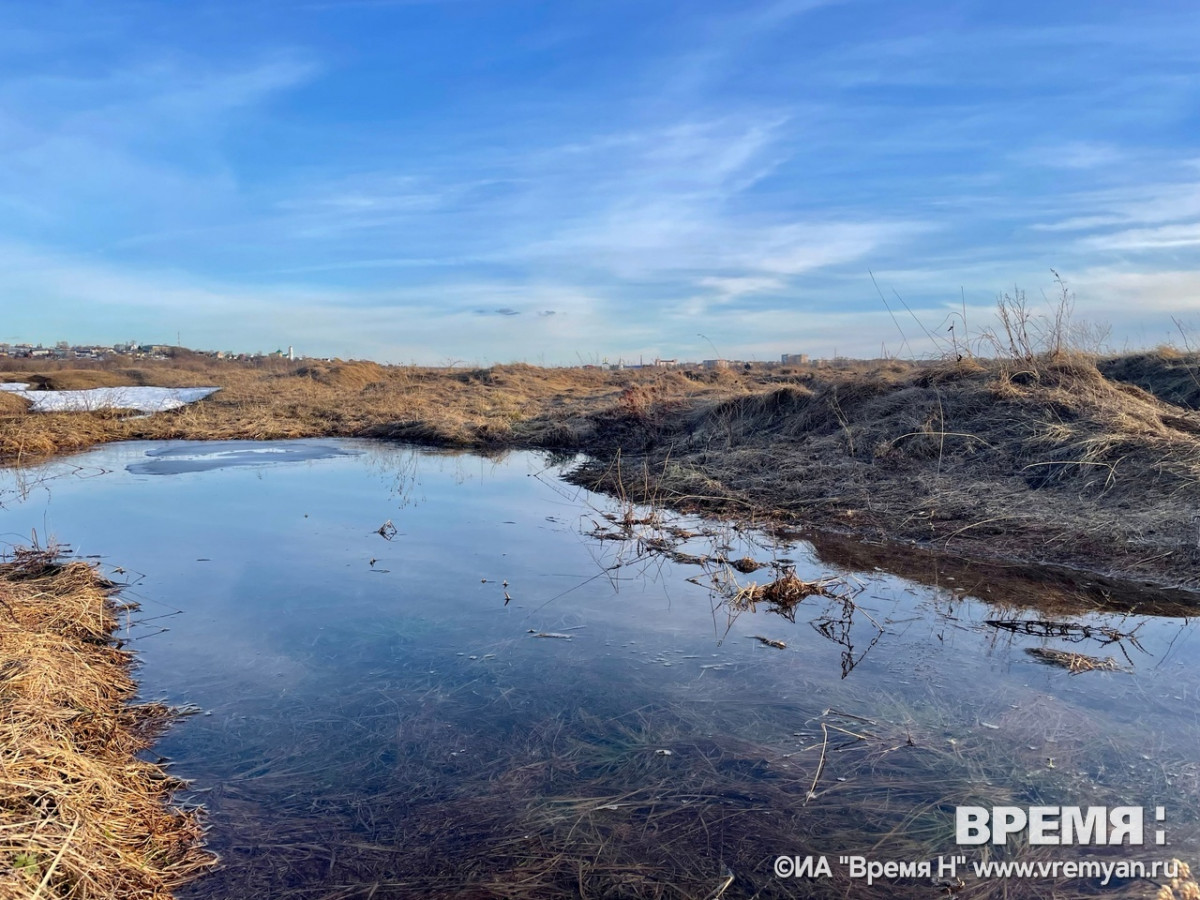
<point x="295" y="624"/>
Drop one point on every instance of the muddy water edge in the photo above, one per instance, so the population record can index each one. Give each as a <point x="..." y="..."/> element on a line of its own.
<point x="426" y="674"/>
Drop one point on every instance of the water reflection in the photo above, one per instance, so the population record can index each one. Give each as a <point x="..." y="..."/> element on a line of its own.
<point x="382" y="718"/>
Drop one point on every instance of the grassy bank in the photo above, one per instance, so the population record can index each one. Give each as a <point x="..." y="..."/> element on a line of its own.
<point x="81" y="816"/>
<point x="1053" y="458"/>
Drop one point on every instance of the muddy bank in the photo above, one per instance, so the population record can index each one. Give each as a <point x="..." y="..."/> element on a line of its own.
<point x="81" y="815"/>
<point x="1050" y="464"/>
<point x="1052" y="460"/>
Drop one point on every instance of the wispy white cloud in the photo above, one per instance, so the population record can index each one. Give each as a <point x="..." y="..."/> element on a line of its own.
<point x="1141" y="203"/>
<point x="1166" y="237"/>
<point x="1073" y="155"/>
<point x="1131" y="294"/>
<point x="90" y="160"/>
<point x="729" y="288"/>
<point x="1080" y="223"/>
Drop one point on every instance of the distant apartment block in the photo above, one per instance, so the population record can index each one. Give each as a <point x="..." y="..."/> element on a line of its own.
<point x="795" y="359"/>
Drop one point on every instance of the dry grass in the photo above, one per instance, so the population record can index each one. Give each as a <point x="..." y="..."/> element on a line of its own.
<point x="1168" y="373"/>
<point x="1050" y="460"/>
<point x="81" y="816"/>
<point x="1073" y="662"/>
<point x="787" y="590"/>
<point x="80" y="380"/>
<point x="1182" y="887"/>
<point x="12" y="404"/>
<point x="1041" y="459"/>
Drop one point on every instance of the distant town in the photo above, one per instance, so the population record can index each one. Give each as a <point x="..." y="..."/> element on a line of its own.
<point x="131" y="349"/>
<point x="135" y="350"/>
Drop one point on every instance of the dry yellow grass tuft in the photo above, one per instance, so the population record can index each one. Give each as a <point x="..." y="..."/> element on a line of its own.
<point x="78" y="380"/>
<point x="81" y="816"/>
<point x="12" y="404"/>
<point x="1182" y="887"/>
<point x="353" y="376"/>
<point x="1074" y="662"/>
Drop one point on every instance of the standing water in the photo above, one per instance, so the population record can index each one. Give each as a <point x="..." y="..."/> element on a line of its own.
<point x="425" y="675"/>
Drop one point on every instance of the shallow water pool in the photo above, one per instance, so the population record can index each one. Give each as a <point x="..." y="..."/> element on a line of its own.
<point x="424" y="674"/>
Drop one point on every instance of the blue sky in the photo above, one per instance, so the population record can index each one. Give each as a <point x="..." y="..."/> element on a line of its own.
<point x="484" y="181"/>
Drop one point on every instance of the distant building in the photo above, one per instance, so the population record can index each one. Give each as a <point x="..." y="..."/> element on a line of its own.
<point x="666" y="363"/>
<point x="795" y="359"/>
<point x="715" y="364"/>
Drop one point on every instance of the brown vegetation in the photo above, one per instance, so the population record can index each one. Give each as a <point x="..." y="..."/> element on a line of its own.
<point x="80" y="380"/>
<point x="1035" y="458"/>
<point x="12" y="404"/>
<point x="81" y="816"/>
<point x="1166" y="373"/>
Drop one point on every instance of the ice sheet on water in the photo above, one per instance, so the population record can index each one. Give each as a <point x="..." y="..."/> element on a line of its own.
<point x="14" y="386"/>
<point x="144" y="399"/>
<point x="206" y="456"/>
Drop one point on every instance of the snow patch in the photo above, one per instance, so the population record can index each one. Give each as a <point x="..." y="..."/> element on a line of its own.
<point x="143" y="399"/>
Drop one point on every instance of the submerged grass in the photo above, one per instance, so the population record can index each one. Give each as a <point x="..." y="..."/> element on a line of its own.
<point x="81" y="815"/>
<point x="443" y="791"/>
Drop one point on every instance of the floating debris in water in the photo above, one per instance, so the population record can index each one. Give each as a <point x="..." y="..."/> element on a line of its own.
<point x="387" y="530"/>
<point x="1074" y="662"/>
<point x="552" y="634"/>
<point x="789" y="589"/>
<point x="770" y="642"/>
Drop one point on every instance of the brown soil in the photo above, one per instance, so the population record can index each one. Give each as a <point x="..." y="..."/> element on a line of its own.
<point x="1038" y="461"/>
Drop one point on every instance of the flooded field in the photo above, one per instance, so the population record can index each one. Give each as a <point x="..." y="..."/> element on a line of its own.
<point x="422" y="674"/>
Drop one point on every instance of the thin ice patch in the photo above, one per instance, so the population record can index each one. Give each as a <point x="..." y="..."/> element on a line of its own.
<point x="205" y="457"/>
